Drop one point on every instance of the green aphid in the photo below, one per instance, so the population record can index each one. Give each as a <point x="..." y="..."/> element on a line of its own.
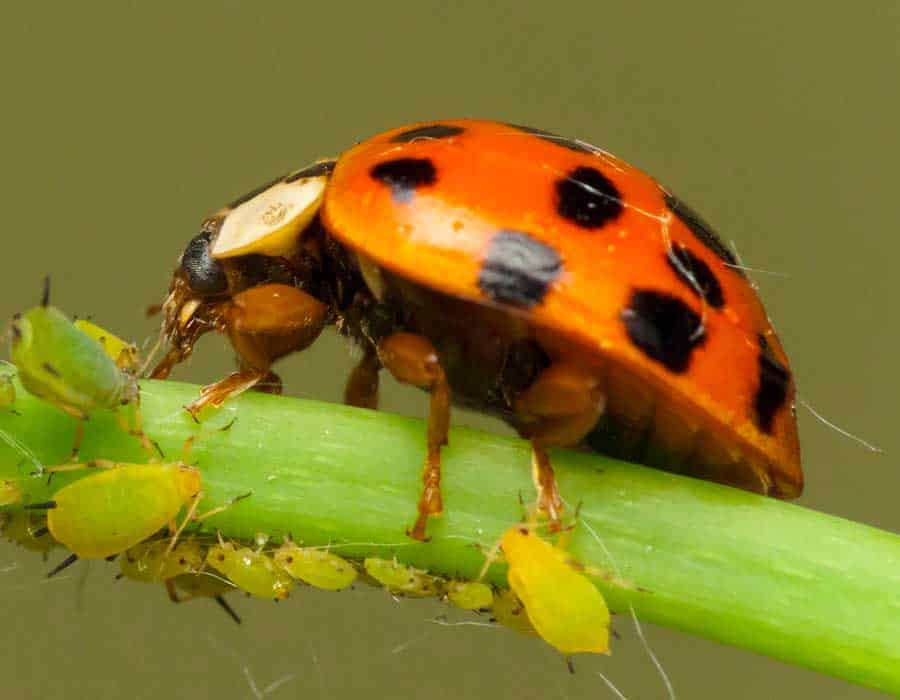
<point x="402" y="580"/>
<point x="317" y="567"/>
<point x="64" y="366"/>
<point x="71" y="369"/>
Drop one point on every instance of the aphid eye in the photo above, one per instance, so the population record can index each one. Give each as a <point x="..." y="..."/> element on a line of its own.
<point x="205" y="275"/>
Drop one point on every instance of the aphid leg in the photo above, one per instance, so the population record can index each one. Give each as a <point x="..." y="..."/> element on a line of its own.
<point x="362" y="385"/>
<point x="559" y="408"/>
<point x="136" y="430"/>
<point x="191" y="516"/>
<point x="263" y="323"/>
<point x="412" y="359"/>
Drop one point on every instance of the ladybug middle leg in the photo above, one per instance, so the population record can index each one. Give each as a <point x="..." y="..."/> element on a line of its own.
<point x="362" y="386"/>
<point x="560" y="407"/>
<point x="412" y="359"/>
<point x="263" y="323"/>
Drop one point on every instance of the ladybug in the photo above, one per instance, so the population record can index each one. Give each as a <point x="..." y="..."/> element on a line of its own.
<point x="510" y="270"/>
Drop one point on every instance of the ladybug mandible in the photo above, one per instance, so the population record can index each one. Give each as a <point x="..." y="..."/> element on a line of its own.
<point x="527" y="275"/>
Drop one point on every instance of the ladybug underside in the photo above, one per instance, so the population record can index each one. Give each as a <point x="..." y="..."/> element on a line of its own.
<point x="274" y="268"/>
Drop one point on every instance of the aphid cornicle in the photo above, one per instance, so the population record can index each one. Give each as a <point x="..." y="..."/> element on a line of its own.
<point x="523" y="274"/>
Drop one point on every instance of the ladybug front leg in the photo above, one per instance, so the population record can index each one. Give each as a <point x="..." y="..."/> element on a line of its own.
<point x="559" y="408"/>
<point x="263" y="323"/>
<point x="412" y="359"/>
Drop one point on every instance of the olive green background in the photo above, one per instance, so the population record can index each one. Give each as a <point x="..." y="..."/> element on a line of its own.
<point x="124" y="123"/>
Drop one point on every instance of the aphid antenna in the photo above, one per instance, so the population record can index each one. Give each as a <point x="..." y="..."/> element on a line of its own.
<point x="64" y="564"/>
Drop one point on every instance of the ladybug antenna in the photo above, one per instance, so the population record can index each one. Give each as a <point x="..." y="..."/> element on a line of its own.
<point x="45" y="297"/>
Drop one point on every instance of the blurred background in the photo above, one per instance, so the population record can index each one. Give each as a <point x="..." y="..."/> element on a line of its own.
<point x="127" y="122"/>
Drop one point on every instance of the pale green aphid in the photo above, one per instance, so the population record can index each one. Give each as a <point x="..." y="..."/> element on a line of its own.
<point x="402" y="580"/>
<point x="317" y="567"/>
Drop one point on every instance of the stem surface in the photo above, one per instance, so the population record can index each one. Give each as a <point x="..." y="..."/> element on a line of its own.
<point x="801" y="586"/>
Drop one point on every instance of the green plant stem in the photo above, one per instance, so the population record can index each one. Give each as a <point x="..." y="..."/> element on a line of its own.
<point x="798" y="585"/>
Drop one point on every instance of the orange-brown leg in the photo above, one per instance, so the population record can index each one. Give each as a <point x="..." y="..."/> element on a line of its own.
<point x="263" y="323"/>
<point x="412" y="359"/>
<point x="362" y="385"/>
<point x="559" y="408"/>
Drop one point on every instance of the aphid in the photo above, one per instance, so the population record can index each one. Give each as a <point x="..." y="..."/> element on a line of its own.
<point x="470" y="595"/>
<point x="28" y="530"/>
<point x="178" y="567"/>
<point x="250" y="570"/>
<point x="124" y="354"/>
<point x="157" y="562"/>
<point x="533" y="277"/>
<point x="63" y="365"/>
<point x="402" y="580"/>
<point x="563" y="605"/>
<point x="121" y="506"/>
<point x="317" y="567"/>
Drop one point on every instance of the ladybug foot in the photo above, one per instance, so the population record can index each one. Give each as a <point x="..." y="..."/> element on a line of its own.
<point x="549" y="502"/>
<point x="215" y="395"/>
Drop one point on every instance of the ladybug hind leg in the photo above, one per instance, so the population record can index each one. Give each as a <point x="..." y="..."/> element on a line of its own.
<point x="560" y="407"/>
<point x="412" y="359"/>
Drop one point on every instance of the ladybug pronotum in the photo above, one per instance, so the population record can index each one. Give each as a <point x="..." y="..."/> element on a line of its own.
<point x="503" y="268"/>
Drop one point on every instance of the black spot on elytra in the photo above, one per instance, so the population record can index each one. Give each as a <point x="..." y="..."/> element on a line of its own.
<point x="696" y="274"/>
<point x="774" y="379"/>
<point x="588" y="198"/>
<point x="571" y="144"/>
<point x="404" y="176"/>
<point x="701" y="230"/>
<point x="518" y="269"/>
<point x="323" y="167"/>
<point x="432" y="131"/>
<point x="205" y="275"/>
<point x="663" y="327"/>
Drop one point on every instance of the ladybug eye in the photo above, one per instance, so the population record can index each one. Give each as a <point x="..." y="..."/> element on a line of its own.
<point x="205" y="275"/>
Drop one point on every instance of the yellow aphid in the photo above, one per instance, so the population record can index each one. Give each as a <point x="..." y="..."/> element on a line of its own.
<point x="564" y="606"/>
<point x="151" y="562"/>
<point x="470" y="595"/>
<point x="119" y="507"/>
<point x="252" y="571"/>
<point x="317" y="567"/>
<point x="125" y="355"/>
<point x="402" y="580"/>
